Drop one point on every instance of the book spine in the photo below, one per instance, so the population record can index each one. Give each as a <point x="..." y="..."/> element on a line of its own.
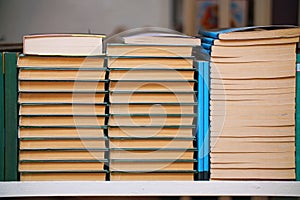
<point x="298" y="119"/>
<point x="11" y="117"/>
<point x="2" y="137"/>
<point x="206" y="135"/>
<point x="200" y="66"/>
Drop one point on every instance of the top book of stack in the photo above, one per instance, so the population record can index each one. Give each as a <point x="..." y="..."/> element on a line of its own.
<point x="154" y="45"/>
<point x="63" y="44"/>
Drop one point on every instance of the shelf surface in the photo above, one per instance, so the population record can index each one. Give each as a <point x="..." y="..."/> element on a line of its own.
<point x="147" y="188"/>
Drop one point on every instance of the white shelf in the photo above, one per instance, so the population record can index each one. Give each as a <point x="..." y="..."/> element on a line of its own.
<point x="153" y="188"/>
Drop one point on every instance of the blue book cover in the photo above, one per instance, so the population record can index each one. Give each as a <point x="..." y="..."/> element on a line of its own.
<point x="218" y="32"/>
<point x="200" y="120"/>
<point x="206" y="124"/>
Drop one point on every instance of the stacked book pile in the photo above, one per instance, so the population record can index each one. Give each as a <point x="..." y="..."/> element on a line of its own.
<point x="252" y="102"/>
<point x="62" y="108"/>
<point x="152" y="109"/>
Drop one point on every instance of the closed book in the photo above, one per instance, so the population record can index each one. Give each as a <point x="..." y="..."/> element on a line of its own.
<point x="11" y="117"/>
<point x="63" y="44"/>
<point x="2" y="131"/>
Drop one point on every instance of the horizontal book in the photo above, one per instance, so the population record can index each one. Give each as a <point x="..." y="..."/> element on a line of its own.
<point x="148" y="120"/>
<point x="152" y="154"/>
<point x="151" y="143"/>
<point x="62" y="109"/>
<point x="252" y="52"/>
<point x="151" y="74"/>
<point x="161" y="38"/>
<point x="153" y="176"/>
<point x="152" y="108"/>
<point x="61" y="86"/>
<point x="64" y="165"/>
<point x="62" y="121"/>
<point x="150" y="62"/>
<point x="251" y="70"/>
<point x="63" y="74"/>
<point x="63" y="176"/>
<point x="60" y="61"/>
<point x="39" y="97"/>
<point x="173" y="86"/>
<point x="154" y="97"/>
<point x="40" y="132"/>
<point x="249" y="42"/>
<point x="148" y="165"/>
<point x="52" y="143"/>
<point x="115" y="49"/>
<point x="71" y="154"/>
<point x="254" y="32"/>
<point x="252" y="174"/>
<point x="63" y="44"/>
<point x="135" y="131"/>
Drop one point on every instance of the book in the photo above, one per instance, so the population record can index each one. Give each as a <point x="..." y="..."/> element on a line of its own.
<point x="150" y="165"/>
<point x="57" y="132"/>
<point x="62" y="109"/>
<point x="152" y="176"/>
<point x="61" y="155"/>
<point x="115" y="49"/>
<point x="151" y="119"/>
<point x="63" y="44"/>
<point x="161" y="38"/>
<point x="63" y="176"/>
<point x="152" y="154"/>
<point x="150" y="62"/>
<point x="11" y="116"/>
<point x="2" y="130"/>
<point x="252" y="32"/>
<point x="61" y="143"/>
<point x="80" y="62"/>
<point x="154" y="97"/>
<point x="150" y="74"/>
<point x="61" y="86"/>
<point x="152" y="108"/>
<point x="62" y="74"/>
<point x="52" y="97"/>
<point x="150" y="131"/>
<point x="150" y="85"/>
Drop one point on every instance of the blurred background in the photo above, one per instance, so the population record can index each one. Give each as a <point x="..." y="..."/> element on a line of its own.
<point x="18" y="17"/>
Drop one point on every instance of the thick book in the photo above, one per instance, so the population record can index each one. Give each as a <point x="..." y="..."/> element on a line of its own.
<point x="63" y="44"/>
<point x="11" y="117"/>
<point x="254" y="32"/>
<point x="115" y="49"/>
<point x="161" y="38"/>
<point x="2" y="131"/>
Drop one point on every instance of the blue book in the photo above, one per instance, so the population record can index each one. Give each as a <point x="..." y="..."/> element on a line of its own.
<point x="200" y="129"/>
<point x="252" y="32"/>
<point x="206" y="119"/>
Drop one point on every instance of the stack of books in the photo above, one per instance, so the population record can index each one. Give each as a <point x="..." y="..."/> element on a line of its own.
<point x="62" y="108"/>
<point x="152" y="110"/>
<point x="252" y="102"/>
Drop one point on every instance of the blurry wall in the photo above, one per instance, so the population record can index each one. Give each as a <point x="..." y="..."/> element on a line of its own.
<point x="19" y="17"/>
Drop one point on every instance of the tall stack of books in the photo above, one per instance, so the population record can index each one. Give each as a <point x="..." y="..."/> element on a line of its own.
<point x="62" y="108"/>
<point x="152" y="109"/>
<point x="252" y="102"/>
